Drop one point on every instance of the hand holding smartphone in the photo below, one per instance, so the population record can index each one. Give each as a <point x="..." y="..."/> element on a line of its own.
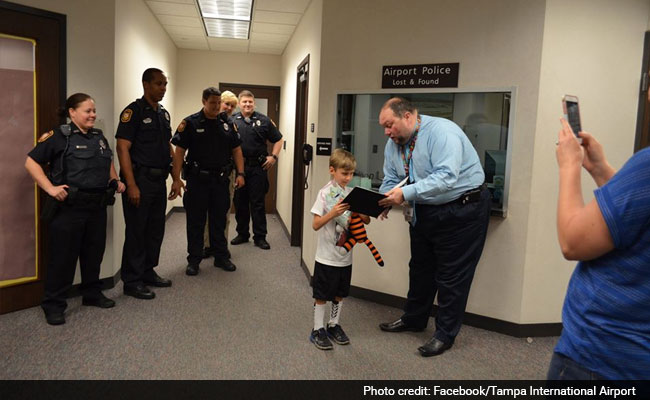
<point x="572" y="113"/>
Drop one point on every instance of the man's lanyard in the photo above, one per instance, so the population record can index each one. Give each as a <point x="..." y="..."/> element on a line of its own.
<point x="407" y="159"/>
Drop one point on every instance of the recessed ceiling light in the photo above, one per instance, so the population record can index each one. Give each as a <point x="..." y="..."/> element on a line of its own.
<point x="226" y="18"/>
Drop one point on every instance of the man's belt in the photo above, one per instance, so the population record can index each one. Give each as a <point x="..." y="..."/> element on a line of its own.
<point x="85" y="198"/>
<point x="153" y="173"/>
<point x="471" y="196"/>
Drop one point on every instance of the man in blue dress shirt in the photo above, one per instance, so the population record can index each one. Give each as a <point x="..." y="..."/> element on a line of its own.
<point x="447" y="206"/>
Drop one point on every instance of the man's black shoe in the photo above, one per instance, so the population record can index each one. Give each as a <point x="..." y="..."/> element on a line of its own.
<point x="55" y="318"/>
<point x="434" y="347"/>
<point x="398" y="326"/>
<point x="239" y="239"/>
<point x="262" y="244"/>
<point x="225" y="264"/>
<point x="139" y="292"/>
<point x="157" y="281"/>
<point x="100" y="301"/>
<point x="192" y="269"/>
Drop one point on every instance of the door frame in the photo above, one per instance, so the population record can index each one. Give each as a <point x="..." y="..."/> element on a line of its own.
<point x="48" y="29"/>
<point x="642" y="138"/>
<point x="300" y="138"/>
<point x="273" y="94"/>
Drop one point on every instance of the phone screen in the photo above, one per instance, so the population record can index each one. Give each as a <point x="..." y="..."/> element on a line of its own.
<point x="573" y="115"/>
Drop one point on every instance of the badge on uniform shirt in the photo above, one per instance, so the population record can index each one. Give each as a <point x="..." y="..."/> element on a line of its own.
<point x="181" y="126"/>
<point x="45" y="136"/>
<point x="235" y="127"/>
<point x="126" y="115"/>
<point x="258" y="122"/>
<point x="146" y="121"/>
<point x="167" y="115"/>
<point x="200" y="130"/>
<point x="225" y="126"/>
<point x="102" y="145"/>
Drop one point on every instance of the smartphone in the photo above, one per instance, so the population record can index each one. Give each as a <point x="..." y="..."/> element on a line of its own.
<point x="572" y="112"/>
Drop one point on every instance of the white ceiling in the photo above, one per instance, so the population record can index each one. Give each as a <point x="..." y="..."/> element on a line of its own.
<point x="273" y="24"/>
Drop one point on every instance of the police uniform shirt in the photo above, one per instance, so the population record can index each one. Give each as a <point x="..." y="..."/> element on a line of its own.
<point x="255" y="133"/>
<point x="209" y="141"/>
<point x="149" y="132"/>
<point x="87" y="160"/>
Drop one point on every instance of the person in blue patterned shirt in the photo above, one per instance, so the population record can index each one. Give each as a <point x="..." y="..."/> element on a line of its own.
<point x="606" y="314"/>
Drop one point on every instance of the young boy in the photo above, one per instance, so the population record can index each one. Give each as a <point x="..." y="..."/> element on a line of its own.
<point x="333" y="270"/>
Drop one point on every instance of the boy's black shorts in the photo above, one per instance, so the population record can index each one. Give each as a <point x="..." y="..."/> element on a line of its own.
<point x="330" y="282"/>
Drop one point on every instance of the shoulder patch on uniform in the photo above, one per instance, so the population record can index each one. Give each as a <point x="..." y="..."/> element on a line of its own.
<point x="273" y="122"/>
<point x="45" y="136"/>
<point x="126" y="115"/>
<point x="181" y="126"/>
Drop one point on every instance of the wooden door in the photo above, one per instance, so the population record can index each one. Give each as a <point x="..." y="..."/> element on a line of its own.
<point x="267" y="101"/>
<point x="32" y="75"/>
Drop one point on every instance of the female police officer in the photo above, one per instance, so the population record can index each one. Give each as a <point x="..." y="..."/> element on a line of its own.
<point x="81" y="183"/>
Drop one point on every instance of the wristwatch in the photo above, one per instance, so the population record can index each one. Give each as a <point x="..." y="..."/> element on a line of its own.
<point x="241" y="174"/>
<point x="274" y="156"/>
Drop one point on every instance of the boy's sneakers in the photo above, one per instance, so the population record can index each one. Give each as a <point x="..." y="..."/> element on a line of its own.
<point x="337" y="335"/>
<point x="320" y="340"/>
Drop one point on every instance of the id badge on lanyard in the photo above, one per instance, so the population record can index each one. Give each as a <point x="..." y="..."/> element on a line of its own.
<point x="407" y="211"/>
<point x="407" y="207"/>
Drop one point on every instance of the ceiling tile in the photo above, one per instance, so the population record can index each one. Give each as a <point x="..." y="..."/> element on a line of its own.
<point x="228" y="43"/>
<point x="276" y="17"/>
<point x="262" y="27"/>
<point x="184" y="31"/>
<point x="270" y="37"/>
<point x="182" y="10"/>
<point x="172" y="20"/>
<point x="295" y="6"/>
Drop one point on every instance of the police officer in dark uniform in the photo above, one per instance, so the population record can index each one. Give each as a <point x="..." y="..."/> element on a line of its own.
<point x="145" y="155"/>
<point x="211" y="141"/>
<point x="255" y="129"/>
<point x="81" y="183"/>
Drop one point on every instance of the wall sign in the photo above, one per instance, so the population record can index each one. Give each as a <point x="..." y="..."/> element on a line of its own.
<point x="323" y="146"/>
<point x="420" y="76"/>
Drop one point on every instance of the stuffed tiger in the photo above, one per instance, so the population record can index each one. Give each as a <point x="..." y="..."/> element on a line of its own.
<point x="357" y="234"/>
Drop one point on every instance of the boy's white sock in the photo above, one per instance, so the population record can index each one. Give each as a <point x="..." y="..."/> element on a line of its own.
<point x="335" y="313"/>
<point x="319" y="316"/>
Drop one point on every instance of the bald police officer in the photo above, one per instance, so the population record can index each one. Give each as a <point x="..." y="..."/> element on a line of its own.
<point x="255" y="130"/>
<point x="144" y="153"/>
<point x="210" y="140"/>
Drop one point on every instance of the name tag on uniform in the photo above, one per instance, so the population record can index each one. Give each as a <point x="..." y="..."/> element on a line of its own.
<point x="201" y="130"/>
<point x="81" y="146"/>
<point x="146" y="121"/>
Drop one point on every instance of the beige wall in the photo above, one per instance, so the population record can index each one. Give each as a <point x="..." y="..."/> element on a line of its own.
<point x="90" y="69"/>
<point x="507" y="43"/>
<point x="140" y="43"/>
<point x="591" y="49"/>
<point x="305" y="41"/>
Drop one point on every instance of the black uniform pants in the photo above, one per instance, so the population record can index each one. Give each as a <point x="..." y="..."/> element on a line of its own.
<point x="206" y="197"/>
<point x="75" y="234"/>
<point x="446" y="245"/>
<point x="249" y="203"/>
<point x="145" y="228"/>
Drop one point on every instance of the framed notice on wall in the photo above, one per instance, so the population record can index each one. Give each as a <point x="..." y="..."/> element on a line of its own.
<point x="420" y="76"/>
